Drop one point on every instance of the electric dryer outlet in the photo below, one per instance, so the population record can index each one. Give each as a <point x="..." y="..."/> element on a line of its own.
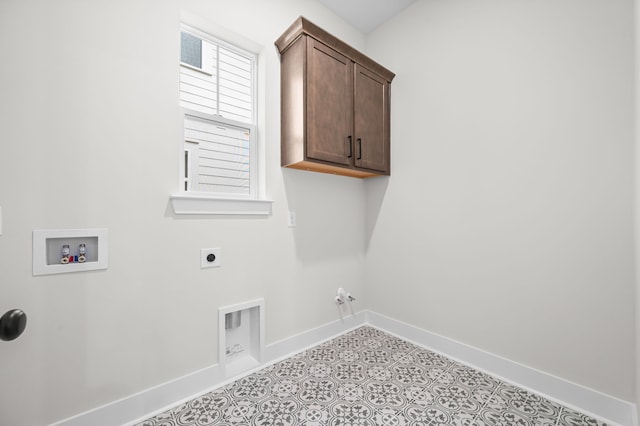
<point x="210" y="258"/>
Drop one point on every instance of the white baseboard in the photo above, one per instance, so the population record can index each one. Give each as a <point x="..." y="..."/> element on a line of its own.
<point x="155" y="400"/>
<point x="607" y="408"/>
<point x="151" y="400"/>
<point x="162" y="397"/>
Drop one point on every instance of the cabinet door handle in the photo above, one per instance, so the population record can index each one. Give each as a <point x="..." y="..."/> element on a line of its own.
<point x="359" y="149"/>
<point x="350" y="147"/>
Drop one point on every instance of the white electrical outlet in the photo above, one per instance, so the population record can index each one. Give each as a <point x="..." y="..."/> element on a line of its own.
<point x="210" y="257"/>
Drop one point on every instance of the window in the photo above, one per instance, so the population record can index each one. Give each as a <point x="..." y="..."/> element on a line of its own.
<point x="218" y="100"/>
<point x="216" y="78"/>
<point x="217" y="87"/>
<point x="218" y="156"/>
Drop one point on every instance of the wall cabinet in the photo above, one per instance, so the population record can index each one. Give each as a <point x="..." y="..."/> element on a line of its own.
<point x="334" y="105"/>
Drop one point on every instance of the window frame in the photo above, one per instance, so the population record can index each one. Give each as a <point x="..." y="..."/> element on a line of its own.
<point x="189" y="201"/>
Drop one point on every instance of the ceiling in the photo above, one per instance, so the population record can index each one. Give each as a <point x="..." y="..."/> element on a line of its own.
<point x="366" y="15"/>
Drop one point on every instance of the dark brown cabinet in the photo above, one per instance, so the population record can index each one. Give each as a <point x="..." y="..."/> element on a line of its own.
<point x="335" y="105"/>
<point x="329" y="104"/>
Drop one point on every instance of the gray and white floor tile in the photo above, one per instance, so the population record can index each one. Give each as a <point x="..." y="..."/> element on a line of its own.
<point x="368" y="378"/>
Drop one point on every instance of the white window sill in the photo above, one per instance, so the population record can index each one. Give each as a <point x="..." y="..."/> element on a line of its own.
<point x="203" y="204"/>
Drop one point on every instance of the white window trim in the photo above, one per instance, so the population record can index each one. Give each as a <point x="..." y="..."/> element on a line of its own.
<point x="196" y="203"/>
<point x="202" y="204"/>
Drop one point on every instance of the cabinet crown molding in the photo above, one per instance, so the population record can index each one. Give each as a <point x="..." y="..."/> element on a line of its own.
<point x="303" y="26"/>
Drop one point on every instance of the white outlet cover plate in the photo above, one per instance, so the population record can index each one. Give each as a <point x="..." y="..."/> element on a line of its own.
<point x="291" y="220"/>
<point x="204" y="263"/>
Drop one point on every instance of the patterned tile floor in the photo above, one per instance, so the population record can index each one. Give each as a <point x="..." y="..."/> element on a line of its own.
<point x="365" y="378"/>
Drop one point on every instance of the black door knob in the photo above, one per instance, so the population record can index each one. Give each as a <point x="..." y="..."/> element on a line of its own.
<point x="12" y="324"/>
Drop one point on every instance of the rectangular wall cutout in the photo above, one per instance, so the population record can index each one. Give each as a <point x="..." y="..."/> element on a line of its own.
<point x="241" y="336"/>
<point x="58" y="251"/>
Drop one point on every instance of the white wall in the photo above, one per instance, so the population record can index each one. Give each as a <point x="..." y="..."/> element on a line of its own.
<point x="89" y="125"/>
<point x="507" y="223"/>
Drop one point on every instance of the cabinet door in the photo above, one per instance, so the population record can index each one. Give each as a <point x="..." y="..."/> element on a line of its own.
<point x="329" y="115"/>
<point x="371" y="114"/>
